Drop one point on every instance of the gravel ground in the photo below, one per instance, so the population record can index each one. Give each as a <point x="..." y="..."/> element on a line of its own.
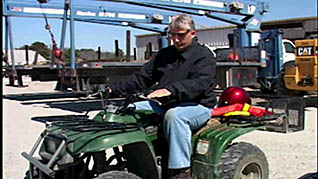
<point x="290" y="155"/>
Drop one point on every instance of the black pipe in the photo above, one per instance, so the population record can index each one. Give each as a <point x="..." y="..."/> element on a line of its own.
<point x="135" y="54"/>
<point x="128" y="45"/>
<point x="98" y="53"/>
<point x="116" y="48"/>
<point x="27" y="54"/>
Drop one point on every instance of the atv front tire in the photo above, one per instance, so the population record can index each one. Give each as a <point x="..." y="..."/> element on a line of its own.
<point x="117" y="175"/>
<point x="243" y="161"/>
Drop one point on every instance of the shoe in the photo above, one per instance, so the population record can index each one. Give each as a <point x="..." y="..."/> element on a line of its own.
<point x="183" y="173"/>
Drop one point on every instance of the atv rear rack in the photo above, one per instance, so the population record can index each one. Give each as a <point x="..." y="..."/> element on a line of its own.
<point x="287" y="116"/>
<point x="252" y="120"/>
<point x="293" y="110"/>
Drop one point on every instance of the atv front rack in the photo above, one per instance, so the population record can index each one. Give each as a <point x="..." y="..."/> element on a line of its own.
<point x="81" y="123"/>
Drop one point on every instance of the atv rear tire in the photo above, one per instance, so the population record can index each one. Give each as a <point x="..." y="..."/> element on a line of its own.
<point x="243" y="161"/>
<point x="117" y="175"/>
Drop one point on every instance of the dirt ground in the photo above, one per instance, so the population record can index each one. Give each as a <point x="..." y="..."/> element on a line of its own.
<point x="290" y="155"/>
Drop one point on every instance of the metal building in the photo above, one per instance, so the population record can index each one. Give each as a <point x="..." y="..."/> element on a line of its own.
<point x="296" y="28"/>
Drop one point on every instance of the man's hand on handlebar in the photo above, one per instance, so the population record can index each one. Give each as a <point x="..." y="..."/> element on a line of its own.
<point x="159" y="96"/>
<point x="159" y="93"/>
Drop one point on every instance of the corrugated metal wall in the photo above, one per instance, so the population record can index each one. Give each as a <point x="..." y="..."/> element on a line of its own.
<point x="298" y="28"/>
<point x="213" y="37"/>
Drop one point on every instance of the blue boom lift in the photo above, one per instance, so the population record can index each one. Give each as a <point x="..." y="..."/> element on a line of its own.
<point x="253" y="59"/>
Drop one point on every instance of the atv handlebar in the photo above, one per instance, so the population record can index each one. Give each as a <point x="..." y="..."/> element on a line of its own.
<point x="143" y="97"/>
<point x="120" y="105"/>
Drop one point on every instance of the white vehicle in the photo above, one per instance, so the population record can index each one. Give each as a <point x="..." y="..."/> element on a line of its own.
<point x="288" y="51"/>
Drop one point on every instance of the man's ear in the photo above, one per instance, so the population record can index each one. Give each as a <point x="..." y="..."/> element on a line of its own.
<point x="193" y="32"/>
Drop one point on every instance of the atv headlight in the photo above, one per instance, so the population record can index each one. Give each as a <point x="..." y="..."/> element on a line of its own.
<point x="49" y="147"/>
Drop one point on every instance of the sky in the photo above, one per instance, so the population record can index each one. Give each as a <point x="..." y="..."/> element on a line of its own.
<point x="25" y="31"/>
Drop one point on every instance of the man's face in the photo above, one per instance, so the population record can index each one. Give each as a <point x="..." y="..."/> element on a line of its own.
<point x="181" y="38"/>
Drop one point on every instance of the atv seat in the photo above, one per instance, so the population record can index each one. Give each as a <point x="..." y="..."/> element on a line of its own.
<point x="211" y="123"/>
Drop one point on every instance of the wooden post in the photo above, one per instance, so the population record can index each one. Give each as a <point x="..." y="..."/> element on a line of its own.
<point x="36" y="56"/>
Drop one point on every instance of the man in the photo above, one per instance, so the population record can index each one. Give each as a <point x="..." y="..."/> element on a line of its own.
<point x="182" y="77"/>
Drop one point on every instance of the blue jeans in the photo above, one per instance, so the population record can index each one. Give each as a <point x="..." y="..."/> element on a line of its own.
<point x="177" y="125"/>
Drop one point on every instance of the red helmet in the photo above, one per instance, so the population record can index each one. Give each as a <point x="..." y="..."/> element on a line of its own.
<point x="232" y="95"/>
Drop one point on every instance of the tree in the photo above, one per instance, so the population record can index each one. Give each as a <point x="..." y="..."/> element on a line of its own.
<point x="42" y="49"/>
<point x="39" y="47"/>
<point x="67" y="54"/>
<point x="120" y="53"/>
<point x="86" y="54"/>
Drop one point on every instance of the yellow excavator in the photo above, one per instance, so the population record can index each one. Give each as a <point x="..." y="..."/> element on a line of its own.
<point x="301" y="76"/>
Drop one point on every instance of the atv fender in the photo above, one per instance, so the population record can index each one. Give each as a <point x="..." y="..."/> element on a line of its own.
<point x="210" y="145"/>
<point x="103" y="140"/>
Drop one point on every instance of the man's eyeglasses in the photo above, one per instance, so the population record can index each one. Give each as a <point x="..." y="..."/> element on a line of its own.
<point x="180" y="35"/>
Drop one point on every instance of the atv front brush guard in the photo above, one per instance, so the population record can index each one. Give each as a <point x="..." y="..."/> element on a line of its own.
<point x="46" y="168"/>
<point x="75" y="123"/>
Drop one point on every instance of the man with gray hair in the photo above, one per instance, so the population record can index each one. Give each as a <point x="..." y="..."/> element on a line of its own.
<point x="182" y="77"/>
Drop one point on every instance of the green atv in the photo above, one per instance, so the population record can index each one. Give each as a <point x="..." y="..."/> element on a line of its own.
<point x="121" y="142"/>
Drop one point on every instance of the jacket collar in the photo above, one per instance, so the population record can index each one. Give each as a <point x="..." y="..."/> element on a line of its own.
<point x="190" y="50"/>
